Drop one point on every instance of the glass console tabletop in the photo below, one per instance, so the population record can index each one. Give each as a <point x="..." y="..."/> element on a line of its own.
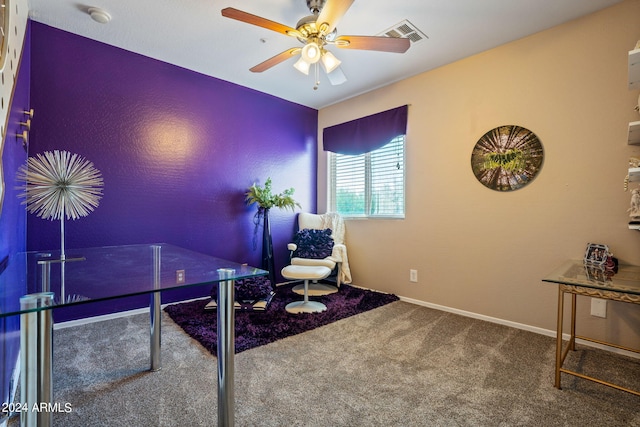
<point x="596" y="281"/>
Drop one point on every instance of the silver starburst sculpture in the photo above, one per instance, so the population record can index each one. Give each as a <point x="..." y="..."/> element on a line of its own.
<point x="59" y="185"/>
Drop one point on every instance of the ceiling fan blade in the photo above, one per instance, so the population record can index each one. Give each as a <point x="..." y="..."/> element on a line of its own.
<point x="281" y="57"/>
<point x="380" y="43"/>
<point x="331" y="13"/>
<point x="239" y="15"/>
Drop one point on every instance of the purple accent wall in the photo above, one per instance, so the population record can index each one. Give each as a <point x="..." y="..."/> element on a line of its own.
<point x="13" y="227"/>
<point x="177" y="150"/>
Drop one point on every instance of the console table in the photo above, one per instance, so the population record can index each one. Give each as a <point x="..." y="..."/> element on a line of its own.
<point x="97" y="274"/>
<point x="574" y="278"/>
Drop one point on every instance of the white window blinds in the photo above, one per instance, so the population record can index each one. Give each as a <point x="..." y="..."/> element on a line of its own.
<point x="370" y="184"/>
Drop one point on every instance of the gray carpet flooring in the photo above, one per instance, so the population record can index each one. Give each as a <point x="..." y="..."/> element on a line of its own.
<point x="398" y="365"/>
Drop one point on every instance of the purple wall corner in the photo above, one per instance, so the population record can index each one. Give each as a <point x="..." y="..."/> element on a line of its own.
<point x="177" y="149"/>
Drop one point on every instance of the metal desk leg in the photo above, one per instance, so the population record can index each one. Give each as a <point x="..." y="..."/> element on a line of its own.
<point x="559" y="337"/>
<point x="155" y="314"/>
<point x="36" y="358"/>
<point x="572" y="340"/>
<point x="226" y="348"/>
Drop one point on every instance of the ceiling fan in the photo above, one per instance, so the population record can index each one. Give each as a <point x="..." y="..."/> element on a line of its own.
<point x="316" y="32"/>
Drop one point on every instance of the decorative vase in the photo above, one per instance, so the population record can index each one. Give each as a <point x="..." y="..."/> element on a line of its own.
<point x="268" y="262"/>
<point x="265" y="199"/>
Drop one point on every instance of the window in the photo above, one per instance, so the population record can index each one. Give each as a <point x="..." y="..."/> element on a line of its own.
<point x="369" y="185"/>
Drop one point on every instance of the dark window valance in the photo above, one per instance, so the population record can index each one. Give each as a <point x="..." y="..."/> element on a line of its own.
<point x="367" y="133"/>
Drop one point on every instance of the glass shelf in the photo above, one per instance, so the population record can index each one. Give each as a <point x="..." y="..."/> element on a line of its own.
<point x="575" y="273"/>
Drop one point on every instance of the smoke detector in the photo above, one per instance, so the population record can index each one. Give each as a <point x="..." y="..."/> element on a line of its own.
<point x="99" y="15"/>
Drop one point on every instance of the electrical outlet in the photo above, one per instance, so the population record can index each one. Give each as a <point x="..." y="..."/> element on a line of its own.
<point x="179" y="276"/>
<point x="413" y="276"/>
<point x="599" y="307"/>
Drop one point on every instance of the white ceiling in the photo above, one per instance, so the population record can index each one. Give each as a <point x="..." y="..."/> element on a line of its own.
<point x="194" y="35"/>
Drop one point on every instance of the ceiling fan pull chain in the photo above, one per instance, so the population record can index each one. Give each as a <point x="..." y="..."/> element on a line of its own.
<point x="317" y="71"/>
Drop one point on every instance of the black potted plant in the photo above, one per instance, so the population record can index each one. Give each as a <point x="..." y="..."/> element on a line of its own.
<point x="265" y="199"/>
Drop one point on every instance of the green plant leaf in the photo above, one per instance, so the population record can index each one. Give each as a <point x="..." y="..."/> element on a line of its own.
<point x="267" y="200"/>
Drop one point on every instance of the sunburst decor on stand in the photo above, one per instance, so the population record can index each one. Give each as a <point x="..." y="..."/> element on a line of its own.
<point x="60" y="184"/>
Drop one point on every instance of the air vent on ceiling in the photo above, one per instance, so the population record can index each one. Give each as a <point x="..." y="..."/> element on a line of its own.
<point x="405" y="29"/>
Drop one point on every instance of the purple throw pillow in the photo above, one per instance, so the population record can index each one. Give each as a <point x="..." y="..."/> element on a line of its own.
<point x="314" y="244"/>
<point x="250" y="289"/>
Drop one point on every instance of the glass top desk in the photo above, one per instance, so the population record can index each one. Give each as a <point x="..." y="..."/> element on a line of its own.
<point x="104" y="273"/>
<point x="574" y="278"/>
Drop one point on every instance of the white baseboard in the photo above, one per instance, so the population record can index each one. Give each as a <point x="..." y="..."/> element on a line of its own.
<point x="534" y="329"/>
<point x="103" y="317"/>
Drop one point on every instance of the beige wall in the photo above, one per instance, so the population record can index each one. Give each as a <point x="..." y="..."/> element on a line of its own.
<point x="483" y="251"/>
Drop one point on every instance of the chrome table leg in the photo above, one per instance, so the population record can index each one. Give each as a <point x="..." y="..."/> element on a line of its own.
<point x="226" y="348"/>
<point x="36" y="358"/>
<point x="155" y="314"/>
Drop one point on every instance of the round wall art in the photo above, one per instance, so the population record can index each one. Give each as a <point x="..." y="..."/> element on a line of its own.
<point x="507" y="158"/>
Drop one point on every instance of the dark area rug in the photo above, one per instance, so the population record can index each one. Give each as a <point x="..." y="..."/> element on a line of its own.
<point x="254" y="329"/>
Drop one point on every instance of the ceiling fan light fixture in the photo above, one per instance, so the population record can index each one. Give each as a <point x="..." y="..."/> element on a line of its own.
<point x="302" y="66"/>
<point x="311" y="52"/>
<point x="337" y="77"/>
<point x="329" y="61"/>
